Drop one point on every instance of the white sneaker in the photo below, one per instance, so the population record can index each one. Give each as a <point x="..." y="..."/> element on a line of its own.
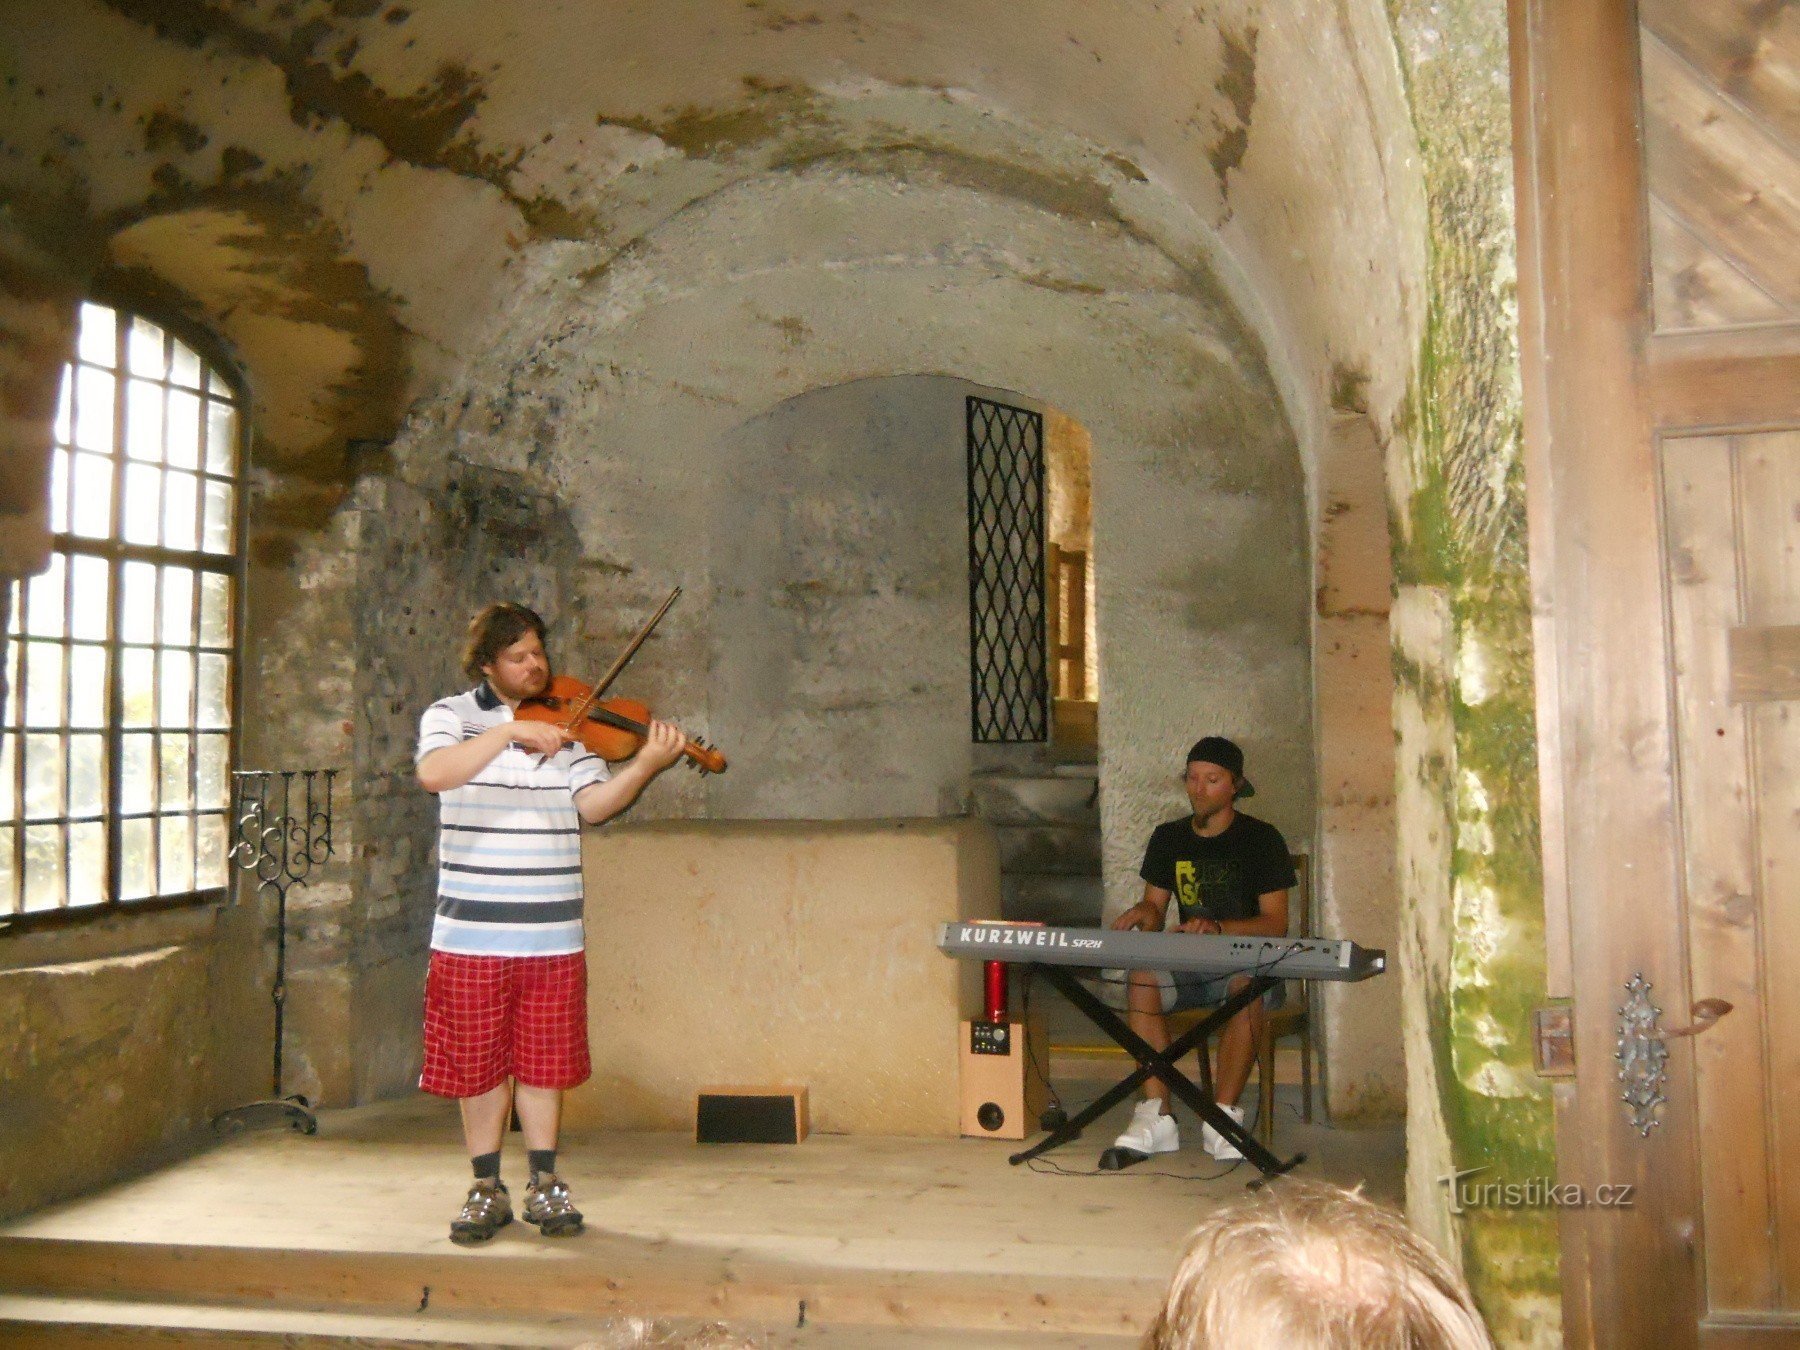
<point x="1150" y="1131"/>
<point x="1217" y="1144"/>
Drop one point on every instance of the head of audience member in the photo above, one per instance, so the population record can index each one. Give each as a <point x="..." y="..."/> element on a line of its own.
<point x="1306" y="1266"/>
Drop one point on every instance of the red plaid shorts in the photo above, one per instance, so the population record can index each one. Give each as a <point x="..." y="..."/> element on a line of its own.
<point x="490" y="1018"/>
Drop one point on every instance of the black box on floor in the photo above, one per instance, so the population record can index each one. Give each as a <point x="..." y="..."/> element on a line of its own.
<point x="750" y="1115"/>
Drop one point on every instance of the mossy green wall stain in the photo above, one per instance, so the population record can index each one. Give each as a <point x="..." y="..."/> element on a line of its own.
<point x="1460" y="528"/>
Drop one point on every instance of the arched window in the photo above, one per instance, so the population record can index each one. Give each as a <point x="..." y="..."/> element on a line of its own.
<point x="115" y="751"/>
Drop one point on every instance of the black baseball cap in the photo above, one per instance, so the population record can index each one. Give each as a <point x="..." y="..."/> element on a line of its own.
<point x="1227" y="755"/>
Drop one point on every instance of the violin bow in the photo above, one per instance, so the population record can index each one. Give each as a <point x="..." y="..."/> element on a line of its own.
<point x="624" y="656"/>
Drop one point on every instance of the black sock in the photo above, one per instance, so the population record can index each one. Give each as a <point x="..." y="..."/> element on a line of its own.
<point x="487" y="1166"/>
<point x="542" y="1160"/>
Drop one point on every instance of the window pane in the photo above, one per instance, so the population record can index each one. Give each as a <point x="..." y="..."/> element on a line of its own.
<point x="43" y="867"/>
<point x="144" y="421"/>
<point x="177" y="690"/>
<point x="143" y="503"/>
<point x="181" y="509"/>
<point x="137" y="784"/>
<point x="177" y="854"/>
<point x="87" y="775"/>
<point x="43" y="777"/>
<point x="13" y="701"/>
<point x="215" y="610"/>
<point x="99" y="335"/>
<point x="59" y="490"/>
<point x="213" y="698"/>
<point x="87" y="687"/>
<point x="218" y="517"/>
<point x="209" y="852"/>
<point x="144" y="350"/>
<point x="15" y="605"/>
<point x="175" y="774"/>
<point x="137" y="607"/>
<point x="44" y="599"/>
<point x="93" y="410"/>
<point x="137" y="680"/>
<point x="9" y="870"/>
<point x="221" y="437"/>
<point x="65" y="407"/>
<point x="210" y="774"/>
<point x="87" y="864"/>
<point x="8" y="767"/>
<point x="87" y="606"/>
<point x="43" y="684"/>
<point x="177" y="605"/>
<point x="137" y="859"/>
<point x="182" y="447"/>
<point x="91" y="502"/>
<point x="184" y="365"/>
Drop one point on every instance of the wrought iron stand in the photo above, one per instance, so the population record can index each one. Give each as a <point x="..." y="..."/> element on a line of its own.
<point x="280" y="840"/>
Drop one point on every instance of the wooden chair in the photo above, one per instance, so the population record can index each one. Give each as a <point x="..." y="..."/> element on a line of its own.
<point x="1293" y="1018"/>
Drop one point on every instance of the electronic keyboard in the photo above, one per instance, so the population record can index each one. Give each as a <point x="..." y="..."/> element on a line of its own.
<point x="1293" y="958"/>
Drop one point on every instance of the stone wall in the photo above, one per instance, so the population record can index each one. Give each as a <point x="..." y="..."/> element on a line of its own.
<point x="1473" y="923"/>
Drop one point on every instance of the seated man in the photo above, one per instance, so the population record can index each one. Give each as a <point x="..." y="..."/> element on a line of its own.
<point x="1229" y="872"/>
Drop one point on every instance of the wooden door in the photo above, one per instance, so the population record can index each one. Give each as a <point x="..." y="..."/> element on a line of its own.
<point x="1732" y="558"/>
<point x="1658" y="186"/>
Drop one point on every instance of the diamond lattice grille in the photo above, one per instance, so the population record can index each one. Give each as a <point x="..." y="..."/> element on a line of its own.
<point x="1009" y="683"/>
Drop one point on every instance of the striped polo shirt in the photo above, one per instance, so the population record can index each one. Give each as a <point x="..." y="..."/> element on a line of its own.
<point x="509" y="840"/>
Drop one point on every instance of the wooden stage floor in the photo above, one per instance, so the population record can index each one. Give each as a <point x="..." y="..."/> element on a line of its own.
<point x="340" y="1238"/>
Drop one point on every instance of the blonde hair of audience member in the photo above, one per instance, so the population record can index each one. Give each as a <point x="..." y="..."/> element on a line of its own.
<point x="1309" y="1267"/>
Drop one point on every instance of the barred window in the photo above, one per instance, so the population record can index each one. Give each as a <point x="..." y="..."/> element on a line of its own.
<point x="121" y="667"/>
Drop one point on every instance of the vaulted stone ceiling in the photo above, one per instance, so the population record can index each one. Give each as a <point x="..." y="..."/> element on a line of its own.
<point x="345" y="191"/>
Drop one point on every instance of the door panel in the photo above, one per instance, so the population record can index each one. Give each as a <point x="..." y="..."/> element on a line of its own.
<point x="1730" y="506"/>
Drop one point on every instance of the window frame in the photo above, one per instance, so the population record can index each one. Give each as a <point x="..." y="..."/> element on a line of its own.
<point x="116" y="551"/>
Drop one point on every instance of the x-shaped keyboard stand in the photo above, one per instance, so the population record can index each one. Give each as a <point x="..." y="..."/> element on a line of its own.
<point x="1161" y="1064"/>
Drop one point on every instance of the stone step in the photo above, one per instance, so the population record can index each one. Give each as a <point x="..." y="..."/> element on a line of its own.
<point x="1034" y="758"/>
<point x="1035" y="897"/>
<point x="1062" y="850"/>
<point x="1039" y="799"/>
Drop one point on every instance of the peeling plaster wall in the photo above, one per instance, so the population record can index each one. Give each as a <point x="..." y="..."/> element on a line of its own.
<point x="1202" y="577"/>
<point x="1473" y="922"/>
<point x="571" y="270"/>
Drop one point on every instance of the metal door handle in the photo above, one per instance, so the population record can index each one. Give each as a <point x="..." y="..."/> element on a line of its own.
<point x="1705" y="1013"/>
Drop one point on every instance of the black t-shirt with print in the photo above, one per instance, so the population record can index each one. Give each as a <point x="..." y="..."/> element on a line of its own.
<point x="1220" y="877"/>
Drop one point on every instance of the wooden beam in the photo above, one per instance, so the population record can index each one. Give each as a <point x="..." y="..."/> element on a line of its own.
<point x="1605" y="751"/>
<point x="1728" y="379"/>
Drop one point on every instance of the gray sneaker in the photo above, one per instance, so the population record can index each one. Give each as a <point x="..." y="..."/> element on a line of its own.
<point x="549" y="1205"/>
<point x="487" y="1210"/>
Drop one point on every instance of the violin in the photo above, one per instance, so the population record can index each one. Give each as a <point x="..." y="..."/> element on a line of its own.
<point x="613" y="728"/>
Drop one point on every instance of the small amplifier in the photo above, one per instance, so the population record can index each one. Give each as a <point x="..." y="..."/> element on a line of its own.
<point x="750" y="1115"/>
<point x="1002" y="1097"/>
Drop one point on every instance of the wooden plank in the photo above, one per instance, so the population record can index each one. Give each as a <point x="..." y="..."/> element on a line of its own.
<point x="1695" y="287"/>
<point x="1765" y="663"/>
<point x="1592" y="493"/>
<point x="1712" y="746"/>
<point x="1720" y="173"/>
<point x="1737" y="379"/>
<point x="613" y="1276"/>
<point x="1541" y="540"/>
<point x="1749" y="49"/>
<point x="1769" y="505"/>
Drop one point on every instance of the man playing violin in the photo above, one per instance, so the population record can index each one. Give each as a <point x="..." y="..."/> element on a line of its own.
<point x="506" y="990"/>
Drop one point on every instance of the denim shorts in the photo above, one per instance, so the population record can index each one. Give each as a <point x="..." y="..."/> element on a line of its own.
<point x="1184" y="989"/>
